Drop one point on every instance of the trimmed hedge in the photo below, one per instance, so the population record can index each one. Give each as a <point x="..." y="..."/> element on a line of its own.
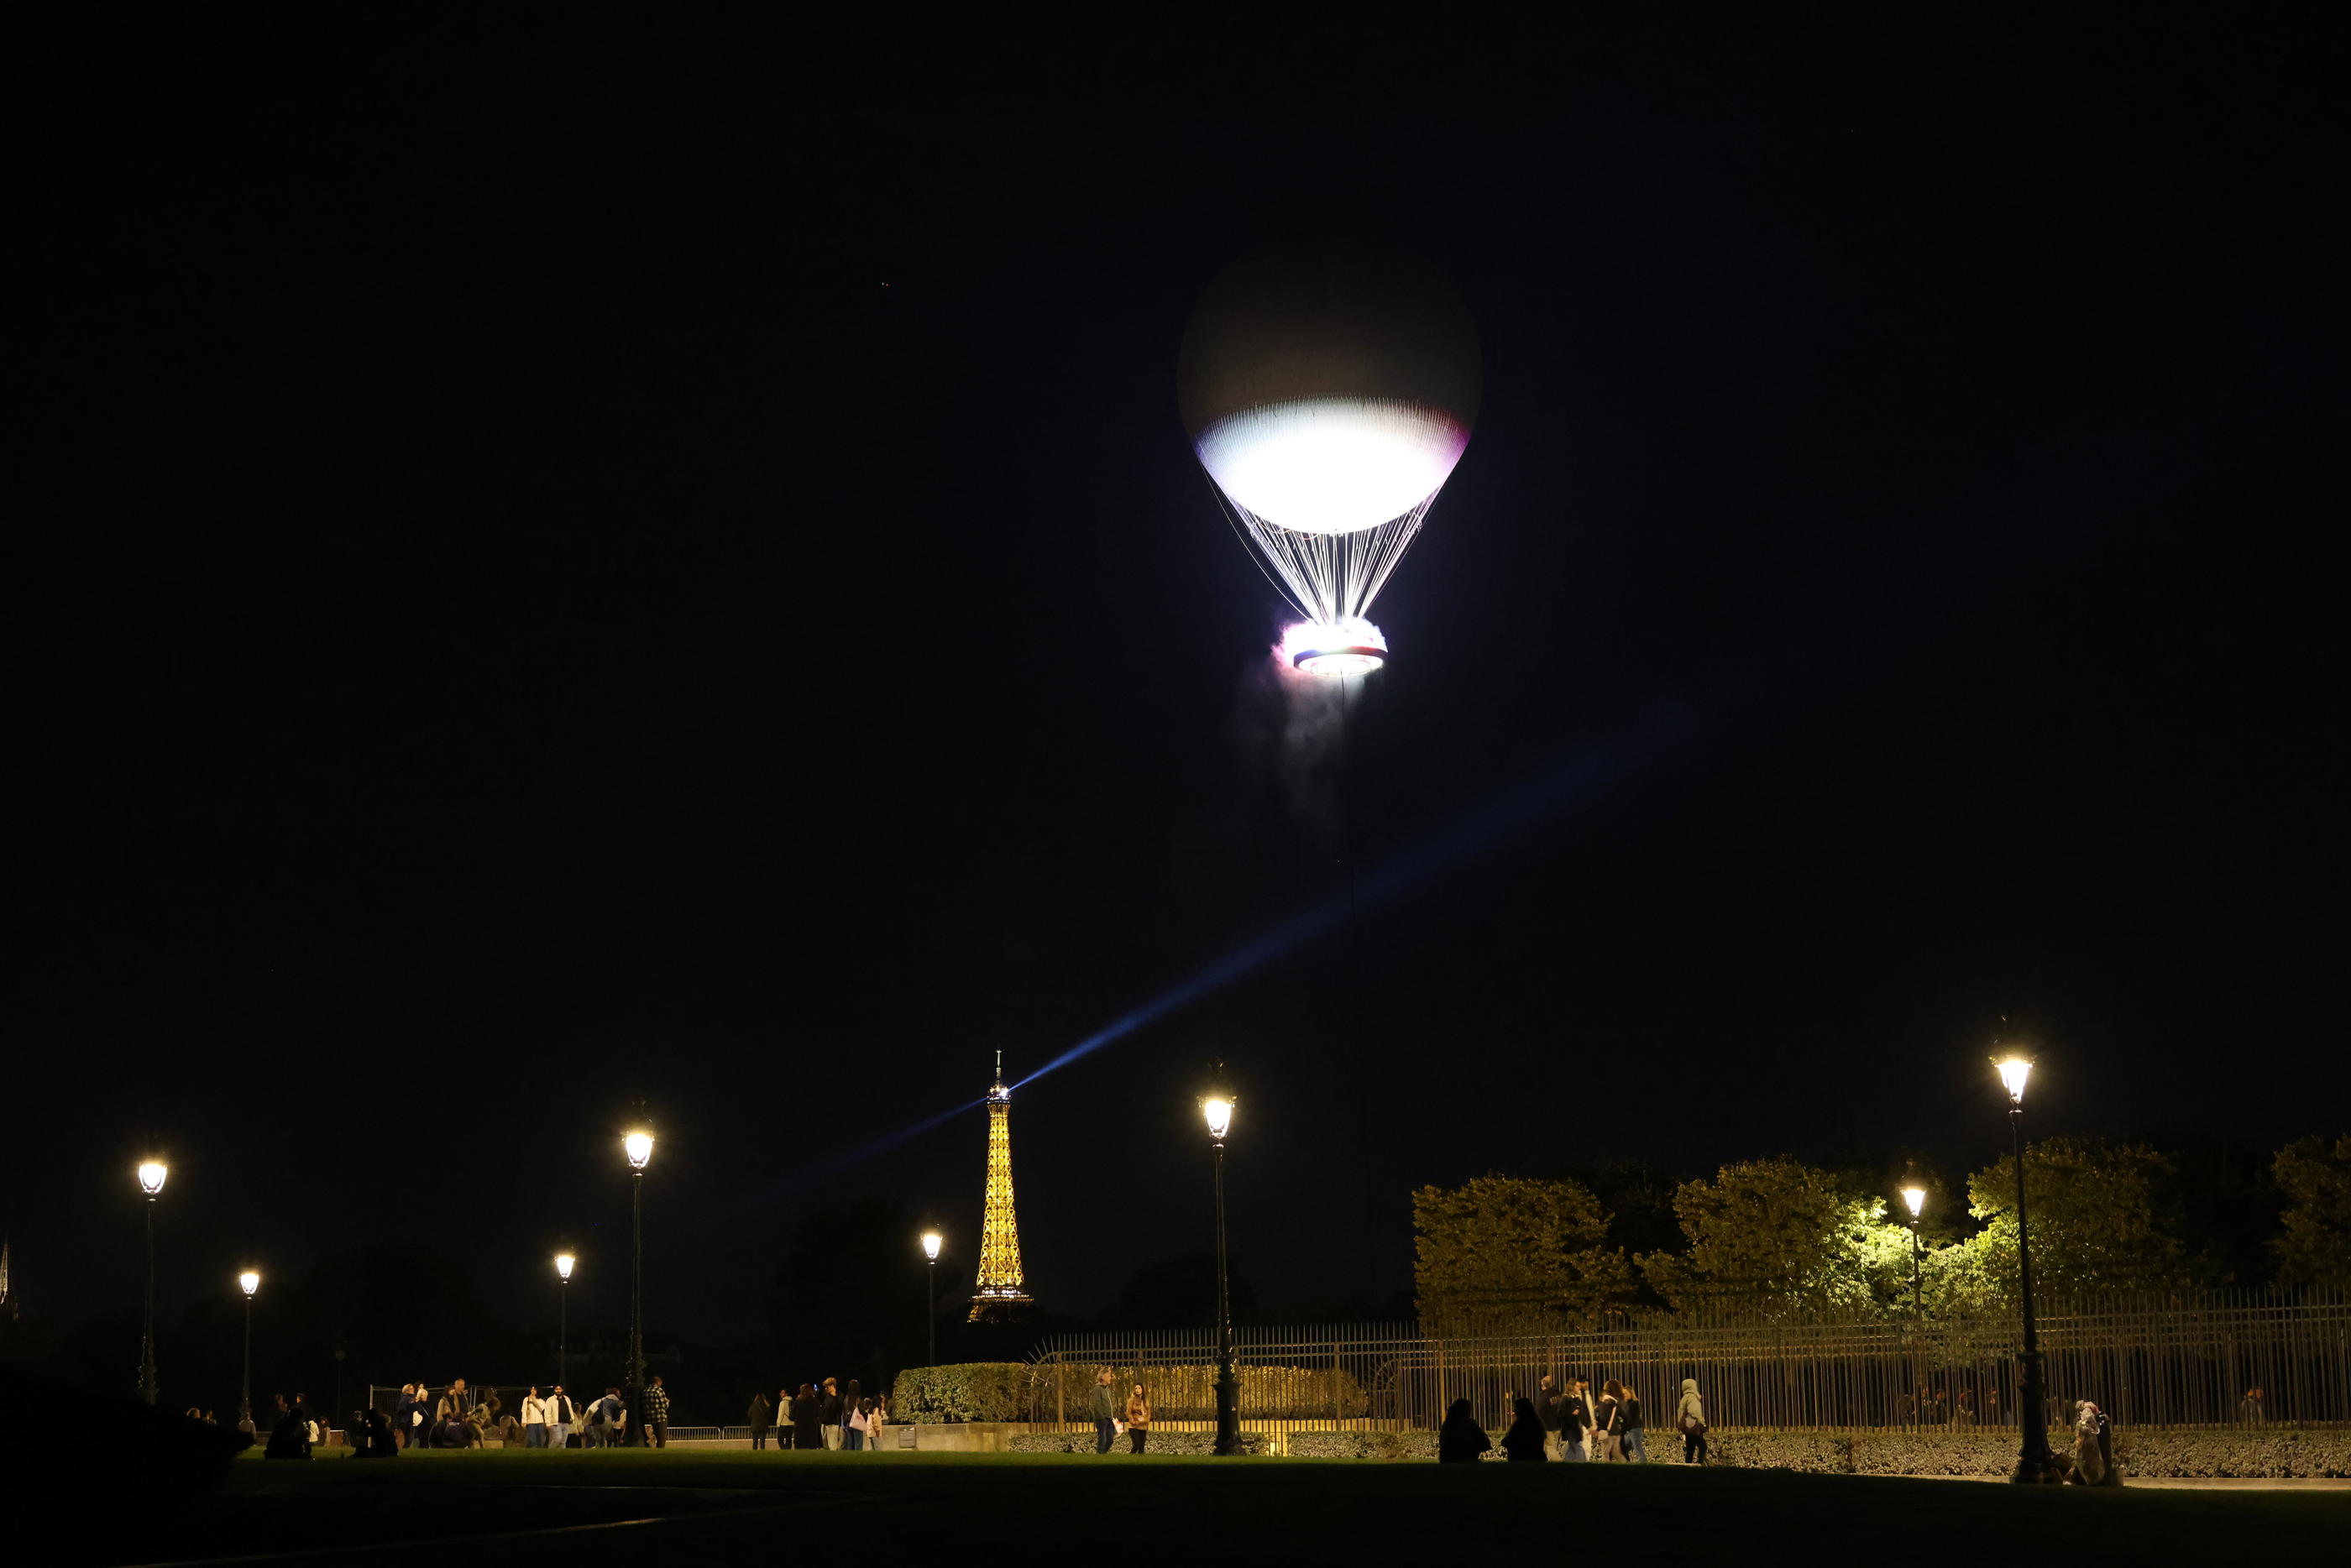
<point x="1414" y="1445"/>
<point x="2150" y="1451"/>
<point x="1161" y="1443"/>
<point x="1025" y="1391"/>
<point x="969" y="1391"/>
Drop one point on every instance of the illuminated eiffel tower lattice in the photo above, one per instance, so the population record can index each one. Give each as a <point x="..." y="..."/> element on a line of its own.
<point x="996" y="1292"/>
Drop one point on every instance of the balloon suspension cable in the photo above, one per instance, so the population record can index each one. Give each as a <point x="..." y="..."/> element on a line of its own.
<point x="1327" y="577"/>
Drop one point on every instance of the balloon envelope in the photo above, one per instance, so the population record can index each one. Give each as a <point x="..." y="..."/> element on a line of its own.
<point x="1328" y="392"/>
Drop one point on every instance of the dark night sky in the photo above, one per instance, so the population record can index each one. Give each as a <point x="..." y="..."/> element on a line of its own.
<point x="552" y="569"/>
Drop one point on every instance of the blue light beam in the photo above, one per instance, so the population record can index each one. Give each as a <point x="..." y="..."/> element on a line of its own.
<point x="1569" y="782"/>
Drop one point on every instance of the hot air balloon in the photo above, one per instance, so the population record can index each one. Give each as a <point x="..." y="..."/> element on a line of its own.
<point x="1329" y="395"/>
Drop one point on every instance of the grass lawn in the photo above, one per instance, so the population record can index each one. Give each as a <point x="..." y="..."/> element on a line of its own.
<point x="980" y="1509"/>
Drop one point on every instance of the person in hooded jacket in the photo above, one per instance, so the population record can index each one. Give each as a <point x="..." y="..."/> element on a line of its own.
<point x="1689" y="1416"/>
<point x="1524" y="1440"/>
<point x="1461" y="1439"/>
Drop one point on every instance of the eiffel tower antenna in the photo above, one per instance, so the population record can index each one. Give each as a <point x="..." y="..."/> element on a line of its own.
<point x="998" y="1292"/>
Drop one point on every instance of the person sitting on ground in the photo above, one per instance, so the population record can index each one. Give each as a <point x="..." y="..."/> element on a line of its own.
<point x="1461" y="1439"/>
<point x="289" y="1439"/>
<point x="1524" y="1441"/>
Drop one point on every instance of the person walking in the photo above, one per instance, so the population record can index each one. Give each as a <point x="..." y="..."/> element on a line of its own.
<point x="1104" y="1412"/>
<point x="1689" y="1418"/>
<point x="1461" y="1439"/>
<point x="1604" y="1425"/>
<point x="1574" y="1424"/>
<point x="534" y="1419"/>
<point x="1524" y="1441"/>
<point x="759" y="1417"/>
<point x="828" y="1412"/>
<point x="807" y="1419"/>
<point x="852" y="1428"/>
<point x="1138" y="1419"/>
<point x="1629" y="1444"/>
<point x="657" y="1414"/>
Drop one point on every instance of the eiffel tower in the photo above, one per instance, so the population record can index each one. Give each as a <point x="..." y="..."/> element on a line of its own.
<point x="996" y="1292"/>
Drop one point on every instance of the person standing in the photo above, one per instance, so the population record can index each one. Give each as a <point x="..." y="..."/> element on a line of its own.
<point x="2251" y="1410"/>
<point x="852" y="1423"/>
<point x="534" y="1419"/>
<point x="1574" y="1424"/>
<point x="1629" y="1443"/>
<point x="807" y="1419"/>
<point x="1105" y="1413"/>
<point x="1548" y="1395"/>
<point x="657" y="1414"/>
<point x="877" y="1416"/>
<point x="828" y="1412"/>
<point x="784" y="1433"/>
<point x="1138" y="1419"/>
<point x="1689" y="1416"/>
<point x="1461" y="1439"/>
<point x="562" y="1418"/>
<point x="759" y="1417"/>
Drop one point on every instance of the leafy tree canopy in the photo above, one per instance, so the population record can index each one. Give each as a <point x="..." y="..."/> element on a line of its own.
<point x="1507" y="1243"/>
<point x="2097" y="1225"/>
<point x="2314" y="1175"/>
<point x="1768" y="1237"/>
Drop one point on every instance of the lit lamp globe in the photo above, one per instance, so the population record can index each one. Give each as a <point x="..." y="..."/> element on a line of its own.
<point x="151" y="1173"/>
<point x="2014" y="1072"/>
<point x="563" y="1262"/>
<point x="248" y="1281"/>
<point x="638" y="1146"/>
<point x="1916" y="1198"/>
<point x="1217" y="1109"/>
<point x="931" y="1242"/>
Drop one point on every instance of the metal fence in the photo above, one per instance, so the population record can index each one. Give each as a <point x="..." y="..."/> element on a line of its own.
<point x="2186" y="1358"/>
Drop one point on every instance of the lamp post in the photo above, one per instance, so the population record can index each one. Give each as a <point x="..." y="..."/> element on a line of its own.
<point x="932" y="1241"/>
<point x="1915" y="1198"/>
<point x="638" y="1146"/>
<point x="1217" y="1109"/>
<point x="563" y="1262"/>
<point x="248" y="1282"/>
<point x="2032" y="1459"/>
<point x="151" y="1173"/>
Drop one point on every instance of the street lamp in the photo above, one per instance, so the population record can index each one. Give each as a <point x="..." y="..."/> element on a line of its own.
<point x="1217" y="1110"/>
<point x="248" y="1282"/>
<point x="2032" y="1458"/>
<point x="151" y="1173"/>
<point x="1915" y="1198"/>
<point x="563" y="1262"/>
<point x="638" y="1146"/>
<point x="932" y="1241"/>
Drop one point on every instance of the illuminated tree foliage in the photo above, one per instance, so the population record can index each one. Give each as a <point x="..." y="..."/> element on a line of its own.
<point x="2314" y="1175"/>
<point x="2097" y="1225"/>
<point x="1502" y="1245"/>
<point x="1768" y="1238"/>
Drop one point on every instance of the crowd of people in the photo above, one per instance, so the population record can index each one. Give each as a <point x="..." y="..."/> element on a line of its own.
<point x="825" y="1416"/>
<point x="1567" y="1421"/>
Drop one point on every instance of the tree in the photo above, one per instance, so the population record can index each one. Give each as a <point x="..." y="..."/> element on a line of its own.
<point x="2096" y="1223"/>
<point x="1506" y="1244"/>
<point x="1770" y="1237"/>
<point x="2314" y="1175"/>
